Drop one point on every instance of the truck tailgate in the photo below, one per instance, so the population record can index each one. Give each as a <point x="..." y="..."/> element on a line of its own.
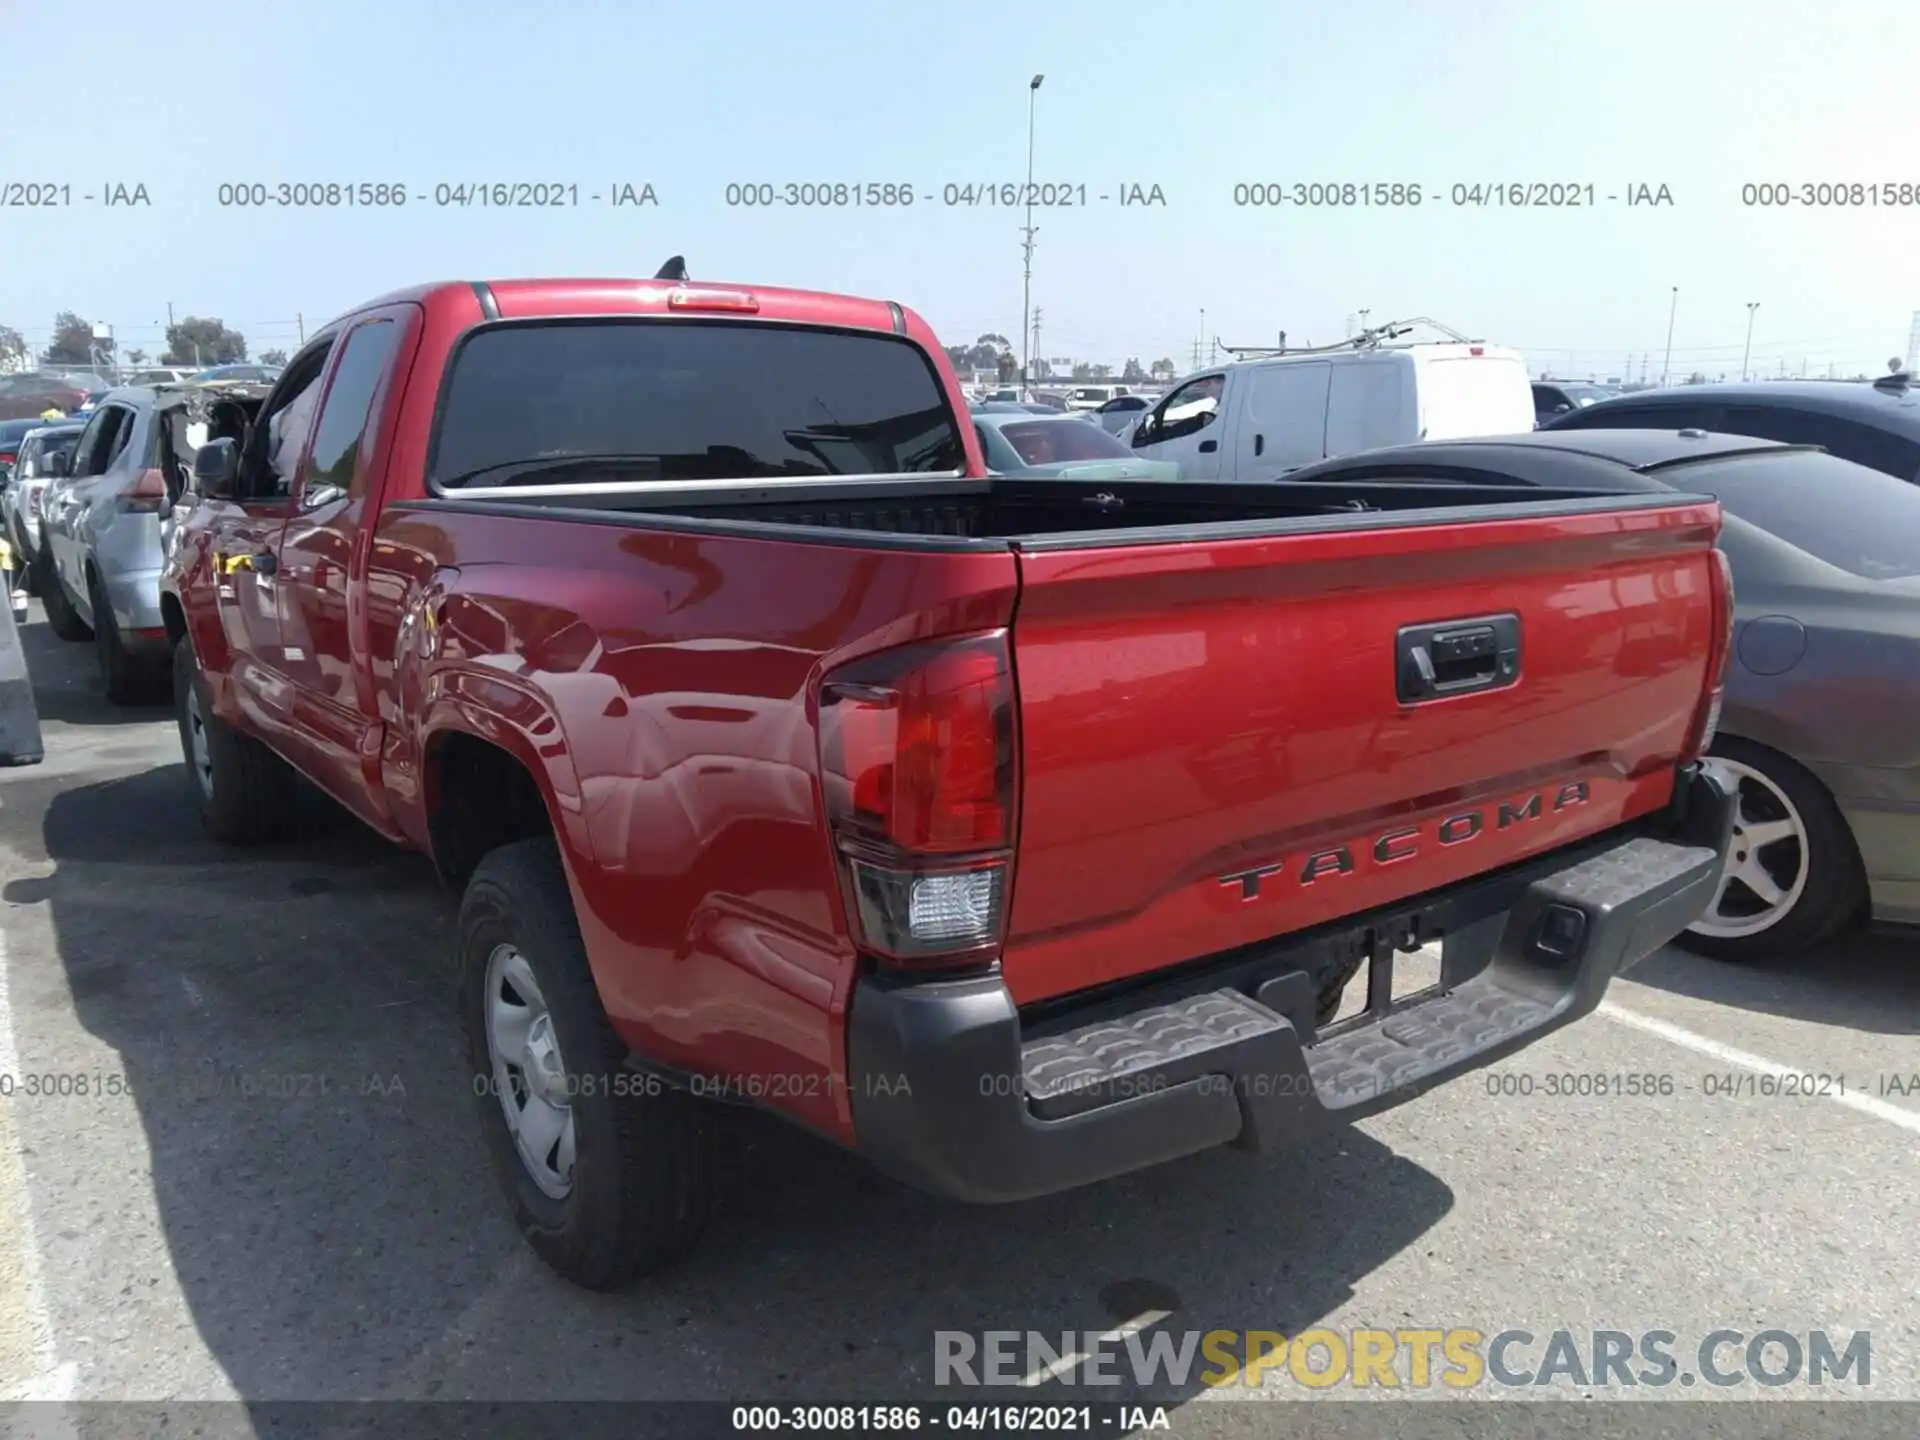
<point x="1215" y="748"/>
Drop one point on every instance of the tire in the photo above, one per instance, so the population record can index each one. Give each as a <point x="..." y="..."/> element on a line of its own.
<point x="245" y="792"/>
<point x="640" y="1183"/>
<point x="62" y="618"/>
<point x="1331" y="988"/>
<point x="1817" y="869"/>
<point x="128" y="680"/>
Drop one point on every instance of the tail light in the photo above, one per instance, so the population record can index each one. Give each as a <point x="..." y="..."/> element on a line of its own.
<point x="1706" y="719"/>
<point x="146" y="495"/>
<point x="917" y="764"/>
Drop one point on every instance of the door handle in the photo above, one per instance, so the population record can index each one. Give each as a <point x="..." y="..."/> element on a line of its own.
<point x="1259" y="444"/>
<point x="1207" y="447"/>
<point x="1459" y="657"/>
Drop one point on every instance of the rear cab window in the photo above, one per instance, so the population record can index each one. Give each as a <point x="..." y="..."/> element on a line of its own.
<point x="532" y="402"/>
<point x="1048" y="442"/>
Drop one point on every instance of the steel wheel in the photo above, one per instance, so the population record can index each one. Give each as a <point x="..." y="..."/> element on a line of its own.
<point x="1767" y="866"/>
<point x="200" y="752"/>
<point x="529" y="1075"/>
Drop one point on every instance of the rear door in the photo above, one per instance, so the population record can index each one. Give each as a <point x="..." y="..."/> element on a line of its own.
<point x="1463" y="394"/>
<point x="1280" y="422"/>
<point x="96" y="457"/>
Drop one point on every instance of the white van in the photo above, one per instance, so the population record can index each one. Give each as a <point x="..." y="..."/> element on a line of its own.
<point x="1257" y="419"/>
<point x="1092" y="397"/>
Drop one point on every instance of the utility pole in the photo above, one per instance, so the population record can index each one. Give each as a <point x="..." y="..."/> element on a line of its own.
<point x="1913" y="344"/>
<point x="300" y="322"/>
<point x="1036" y="331"/>
<point x="1752" y="305"/>
<point x="1026" y="301"/>
<point x="1672" y="310"/>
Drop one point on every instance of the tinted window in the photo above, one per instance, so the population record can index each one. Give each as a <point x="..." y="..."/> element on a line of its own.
<point x="343" y="419"/>
<point x="689" y="400"/>
<point x="1850" y="440"/>
<point x="1194" y="406"/>
<point x="1844" y="514"/>
<point x="1049" y="442"/>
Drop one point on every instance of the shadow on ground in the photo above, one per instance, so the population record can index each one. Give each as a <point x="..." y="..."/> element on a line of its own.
<point x="284" y="1017"/>
<point x="1863" y="980"/>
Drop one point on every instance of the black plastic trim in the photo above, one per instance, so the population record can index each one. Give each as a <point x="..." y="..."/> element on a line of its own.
<point x="937" y="1072"/>
<point x="489" y="307"/>
<point x="692" y="525"/>
<point x="1352" y="520"/>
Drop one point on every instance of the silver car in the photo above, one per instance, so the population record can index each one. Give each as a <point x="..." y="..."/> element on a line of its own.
<point x="31" y="476"/>
<point x="98" y="563"/>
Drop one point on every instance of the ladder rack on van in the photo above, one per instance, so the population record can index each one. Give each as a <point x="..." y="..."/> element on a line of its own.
<point x="1368" y="339"/>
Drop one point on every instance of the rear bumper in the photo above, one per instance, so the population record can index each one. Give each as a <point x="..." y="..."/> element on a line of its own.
<point x="951" y="1093"/>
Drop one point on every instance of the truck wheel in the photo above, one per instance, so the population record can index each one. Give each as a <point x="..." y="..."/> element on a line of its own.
<point x="1794" y="876"/>
<point x="243" y="790"/>
<point x="127" y="680"/>
<point x="62" y="618"/>
<point x="609" y="1171"/>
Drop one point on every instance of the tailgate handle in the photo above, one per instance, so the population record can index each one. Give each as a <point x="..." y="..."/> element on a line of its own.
<point x="1456" y="657"/>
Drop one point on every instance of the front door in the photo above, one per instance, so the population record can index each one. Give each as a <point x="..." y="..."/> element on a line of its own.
<point x="245" y="534"/>
<point x="334" y="734"/>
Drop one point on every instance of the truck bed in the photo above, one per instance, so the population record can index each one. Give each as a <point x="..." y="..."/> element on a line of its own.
<point x="1002" y="513"/>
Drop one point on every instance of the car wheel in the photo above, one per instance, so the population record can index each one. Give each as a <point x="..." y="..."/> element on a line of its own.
<point x="62" y="618"/>
<point x="609" y="1170"/>
<point x="242" y="789"/>
<point x="1793" y="877"/>
<point x="127" y="680"/>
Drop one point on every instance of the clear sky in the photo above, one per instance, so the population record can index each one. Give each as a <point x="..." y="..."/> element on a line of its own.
<point x="1696" y="95"/>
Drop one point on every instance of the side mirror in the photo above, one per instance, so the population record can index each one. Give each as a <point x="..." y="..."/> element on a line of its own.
<point x="1563" y="408"/>
<point x="216" y="470"/>
<point x="58" y="464"/>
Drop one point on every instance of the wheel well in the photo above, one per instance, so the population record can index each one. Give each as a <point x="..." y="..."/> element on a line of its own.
<point x="479" y="797"/>
<point x="173" y="617"/>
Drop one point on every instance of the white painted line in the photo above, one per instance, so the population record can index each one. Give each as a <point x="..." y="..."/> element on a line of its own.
<point x="1073" y="1360"/>
<point x="54" y="1381"/>
<point x="1908" y="1120"/>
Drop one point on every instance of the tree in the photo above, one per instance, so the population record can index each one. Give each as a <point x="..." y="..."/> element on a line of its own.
<point x="1082" y="370"/>
<point x="73" y="342"/>
<point x="1041" y="369"/>
<point x="273" y="357"/>
<point x="958" y="356"/>
<point x="1132" y="372"/>
<point x="1007" y="368"/>
<point x="1697" y="378"/>
<point x="1162" y="370"/>
<point x="136" y="357"/>
<point x="195" y="341"/>
<point x="13" y="348"/>
<point x="1102" y="372"/>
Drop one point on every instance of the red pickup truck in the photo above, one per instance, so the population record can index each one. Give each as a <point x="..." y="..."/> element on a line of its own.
<point x="1014" y="832"/>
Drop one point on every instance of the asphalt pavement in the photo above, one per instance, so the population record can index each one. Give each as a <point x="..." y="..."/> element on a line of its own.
<point x="261" y="1176"/>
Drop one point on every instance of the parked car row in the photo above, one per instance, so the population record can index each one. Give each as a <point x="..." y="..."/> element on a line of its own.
<point x="32" y="394"/>
<point x="87" y="521"/>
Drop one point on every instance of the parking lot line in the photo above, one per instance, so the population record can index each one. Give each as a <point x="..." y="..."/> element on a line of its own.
<point x="1073" y="1361"/>
<point x="1758" y="1064"/>
<point x="27" y="1346"/>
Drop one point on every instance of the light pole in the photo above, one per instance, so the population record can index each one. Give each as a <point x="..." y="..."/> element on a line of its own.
<point x="1746" y="354"/>
<point x="1026" y="296"/>
<point x="1672" y="310"/>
